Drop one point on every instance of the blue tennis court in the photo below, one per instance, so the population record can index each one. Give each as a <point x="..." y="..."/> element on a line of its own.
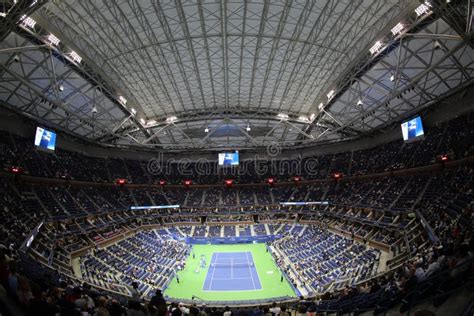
<point x="232" y="271"/>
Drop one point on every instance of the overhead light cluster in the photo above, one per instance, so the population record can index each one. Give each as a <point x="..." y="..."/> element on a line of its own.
<point x="376" y="47"/>
<point x="330" y="94"/>
<point x="423" y="8"/>
<point x="283" y="116"/>
<point x="171" y="119"/>
<point x="26" y="21"/>
<point x="53" y="39"/>
<point x="75" y="57"/>
<point x="303" y="118"/>
<point x="122" y="100"/>
<point x="397" y="29"/>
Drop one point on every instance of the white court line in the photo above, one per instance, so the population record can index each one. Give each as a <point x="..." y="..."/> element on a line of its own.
<point x="231" y="268"/>
<point x="213" y="270"/>
<point x="250" y="270"/>
<point x="226" y="279"/>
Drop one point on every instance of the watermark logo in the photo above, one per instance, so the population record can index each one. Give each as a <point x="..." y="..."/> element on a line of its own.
<point x="273" y="150"/>
<point x="253" y="167"/>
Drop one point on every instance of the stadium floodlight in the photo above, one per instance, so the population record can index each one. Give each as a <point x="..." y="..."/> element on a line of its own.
<point x="376" y="47"/>
<point x="312" y="117"/>
<point x="75" y="57"/>
<point x="359" y="103"/>
<point x="330" y="94"/>
<point x="151" y="122"/>
<point x="61" y="87"/>
<point x="392" y="78"/>
<point x="248" y="128"/>
<point x="423" y="8"/>
<point x="26" y="21"/>
<point x="142" y="120"/>
<point x="171" y="119"/>
<point x="206" y="130"/>
<point x="53" y="39"/>
<point x="133" y="111"/>
<point x="397" y="29"/>
<point x="122" y="100"/>
<point x="283" y="116"/>
<point x="321" y="106"/>
<point x="303" y="118"/>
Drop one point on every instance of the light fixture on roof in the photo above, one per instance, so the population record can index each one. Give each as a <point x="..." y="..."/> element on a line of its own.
<point x="75" y="57"/>
<point x="423" y="8"/>
<point x="303" y="118"/>
<point x="376" y="47"/>
<point x="248" y="128"/>
<point x="321" y="106"/>
<point x="122" y="100"/>
<point x="392" y="78"/>
<point x="133" y="111"/>
<point x="397" y="29"/>
<point x="330" y="94"/>
<point x="26" y="21"/>
<point x="151" y="122"/>
<point x="312" y="117"/>
<point x="206" y="130"/>
<point x="53" y="39"/>
<point x="359" y="103"/>
<point x="61" y="87"/>
<point x="283" y="116"/>
<point x="142" y="120"/>
<point x="171" y="119"/>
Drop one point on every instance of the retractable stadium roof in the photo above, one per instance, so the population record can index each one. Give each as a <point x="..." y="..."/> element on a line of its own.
<point x="204" y="75"/>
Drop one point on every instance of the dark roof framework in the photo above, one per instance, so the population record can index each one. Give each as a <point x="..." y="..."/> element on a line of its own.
<point x="201" y="75"/>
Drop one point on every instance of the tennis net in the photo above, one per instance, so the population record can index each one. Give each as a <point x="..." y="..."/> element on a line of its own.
<point x="233" y="265"/>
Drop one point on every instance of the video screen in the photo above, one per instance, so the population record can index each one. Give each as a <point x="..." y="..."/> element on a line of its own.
<point x="412" y="129"/>
<point x="229" y="159"/>
<point x="45" y="139"/>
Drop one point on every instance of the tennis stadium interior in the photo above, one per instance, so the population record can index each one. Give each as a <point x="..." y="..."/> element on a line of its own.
<point x="236" y="157"/>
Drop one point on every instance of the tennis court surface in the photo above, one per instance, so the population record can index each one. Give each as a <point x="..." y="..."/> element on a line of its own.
<point x="232" y="271"/>
<point x="254" y="275"/>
